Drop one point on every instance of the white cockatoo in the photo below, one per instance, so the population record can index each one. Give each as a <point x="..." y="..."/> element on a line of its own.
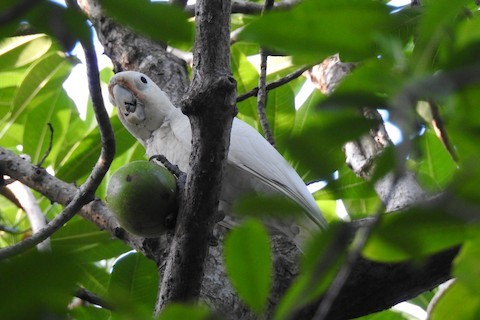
<point x="253" y="165"/>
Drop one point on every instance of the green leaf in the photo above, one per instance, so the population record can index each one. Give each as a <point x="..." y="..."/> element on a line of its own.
<point x="435" y="27"/>
<point x="467" y="265"/>
<point x="281" y="114"/>
<point x="414" y="234"/>
<point x="457" y="302"/>
<point x="38" y="285"/>
<point x="158" y="21"/>
<point x="81" y="157"/>
<point x="89" y="313"/>
<point x="87" y="242"/>
<point x="385" y="315"/>
<point x="436" y="167"/>
<point x="56" y="111"/>
<point x="175" y="311"/>
<point x="51" y="70"/>
<point x="318" y="146"/>
<point x="249" y="264"/>
<point x="323" y="256"/>
<point x="322" y="28"/>
<point x="16" y="52"/>
<point x="94" y="278"/>
<point x="133" y="284"/>
<point x="247" y="78"/>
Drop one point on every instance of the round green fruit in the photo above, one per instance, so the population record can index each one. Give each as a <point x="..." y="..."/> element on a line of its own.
<point x="143" y="197"/>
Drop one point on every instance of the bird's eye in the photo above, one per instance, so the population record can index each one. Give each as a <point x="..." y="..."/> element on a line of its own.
<point x="143" y="79"/>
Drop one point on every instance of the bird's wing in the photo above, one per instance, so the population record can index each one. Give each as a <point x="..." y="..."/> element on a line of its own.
<point x="250" y="152"/>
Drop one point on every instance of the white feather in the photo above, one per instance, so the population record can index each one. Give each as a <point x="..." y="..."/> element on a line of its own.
<point x="253" y="165"/>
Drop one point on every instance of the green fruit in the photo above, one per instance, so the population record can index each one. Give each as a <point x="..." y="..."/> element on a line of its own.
<point x="143" y="197"/>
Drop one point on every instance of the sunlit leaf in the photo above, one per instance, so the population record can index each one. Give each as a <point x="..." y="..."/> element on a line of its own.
<point x="133" y="283"/>
<point x="281" y="114"/>
<point x="467" y="265"/>
<point x="83" y="155"/>
<point x="51" y="70"/>
<point x="19" y="51"/>
<point x="437" y="167"/>
<point x="457" y="302"/>
<point x="249" y="263"/>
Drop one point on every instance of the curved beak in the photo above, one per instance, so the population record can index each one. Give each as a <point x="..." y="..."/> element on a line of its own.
<point x="130" y="108"/>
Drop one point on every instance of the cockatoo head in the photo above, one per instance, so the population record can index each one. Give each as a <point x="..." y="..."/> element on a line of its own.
<point x="142" y="105"/>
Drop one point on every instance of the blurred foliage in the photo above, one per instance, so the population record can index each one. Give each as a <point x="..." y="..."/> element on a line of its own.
<point x="401" y="55"/>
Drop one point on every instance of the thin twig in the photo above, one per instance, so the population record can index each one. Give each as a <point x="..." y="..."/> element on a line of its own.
<point x="92" y="298"/>
<point x="49" y="149"/>
<point x="86" y="192"/>
<point x="274" y="84"/>
<point x="262" y="91"/>
<point x="11" y="230"/>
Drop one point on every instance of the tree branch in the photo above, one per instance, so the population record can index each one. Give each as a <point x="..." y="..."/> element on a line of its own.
<point x="210" y="106"/>
<point x="262" y="90"/>
<point x="92" y="298"/>
<point x="274" y="84"/>
<point x="32" y="210"/>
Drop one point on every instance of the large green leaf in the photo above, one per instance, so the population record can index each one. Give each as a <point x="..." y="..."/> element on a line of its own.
<point x="457" y="302"/>
<point x="318" y="145"/>
<point x="414" y="234"/>
<point x="247" y="78"/>
<point x="82" y="156"/>
<point x="87" y="242"/>
<point x="159" y="21"/>
<point x="56" y="111"/>
<point x="316" y="29"/>
<point x="37" y="285"/>
<point x="436" y="167"/>
<point x="95" y="278"/>
<point x="467" y="265"/>
<point x="435" y="28"/>
<point x="323" y="256"/>
<point x="19" y="51"/>
<point x="281" y="114"/>
<point x="249" y="263"/>
<point x="133" y="284"/>
<point x="46" y="73"/>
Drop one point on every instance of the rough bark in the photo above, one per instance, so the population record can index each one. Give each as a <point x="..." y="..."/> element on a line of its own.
<point x="210" y="106"/>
